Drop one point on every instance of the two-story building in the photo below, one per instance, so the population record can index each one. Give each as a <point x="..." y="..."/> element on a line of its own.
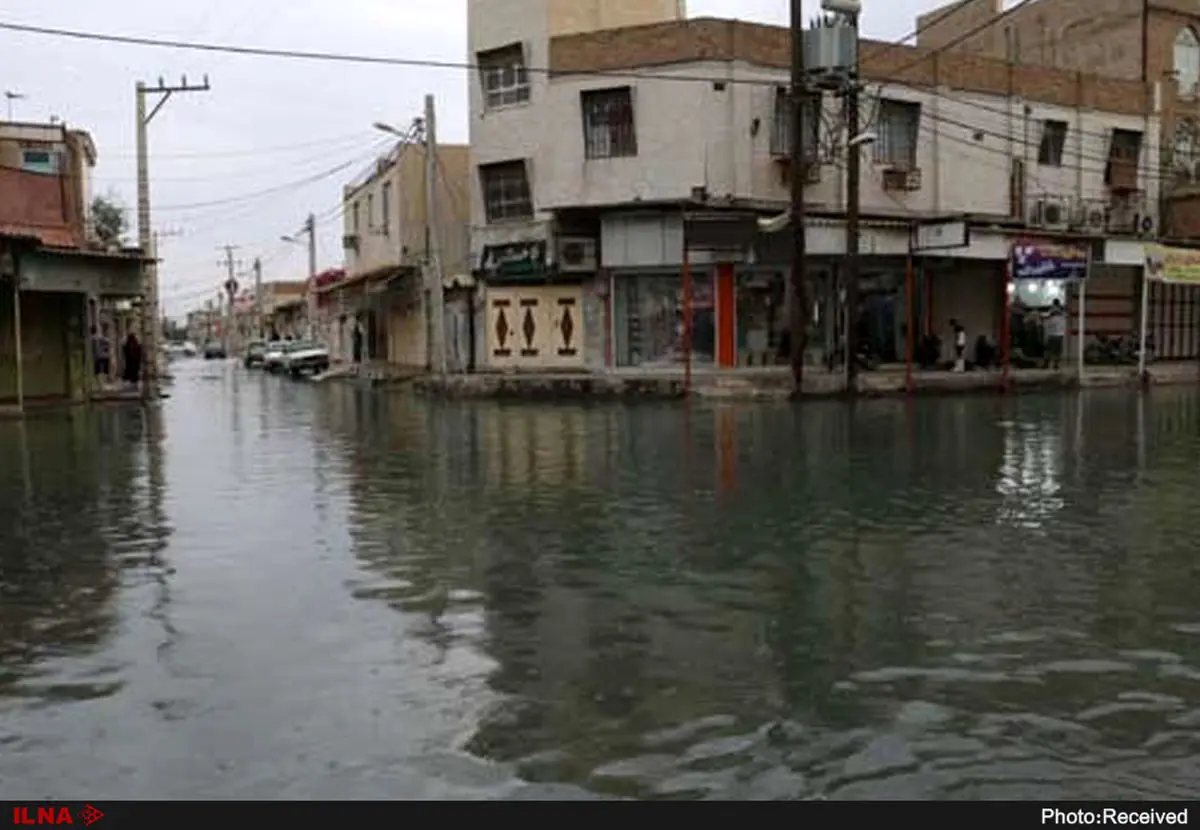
<point x="583" y="173"/>
<point x="1155" y="43"/>
<point x="387" y="239"/>
<point x="56" y="279"/>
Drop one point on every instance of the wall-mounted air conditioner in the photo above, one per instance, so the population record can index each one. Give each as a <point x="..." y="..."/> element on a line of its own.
<point x="1049" y="212"/>
<point x="1091" y="217"/>
<point x="577" y="254"/>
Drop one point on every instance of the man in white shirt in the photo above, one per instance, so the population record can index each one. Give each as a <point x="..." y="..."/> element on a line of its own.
<point x="1055" y="326"/>
<point x="960" y="346"/>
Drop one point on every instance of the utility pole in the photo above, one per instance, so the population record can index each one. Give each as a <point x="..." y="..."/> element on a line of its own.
<point x="231" y="287"/>
<point x="799" y="278"/>
<point x="310" y="227"/>
<point x="434" y="281"/>
<point x="258" y="300"/>
<point x="853" y="201"/>
<point x="148" y="310"/>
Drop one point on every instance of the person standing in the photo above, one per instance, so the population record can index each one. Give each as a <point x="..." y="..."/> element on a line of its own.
<point x="960" y="345"/>
<point x="101" y="354"/>
<point x="131" y="353"/>
<point x="1056" y="334"/>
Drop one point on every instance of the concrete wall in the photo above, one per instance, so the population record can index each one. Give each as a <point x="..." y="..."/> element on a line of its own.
<point x="401" y="241"/>
<point x="57" y="205"/>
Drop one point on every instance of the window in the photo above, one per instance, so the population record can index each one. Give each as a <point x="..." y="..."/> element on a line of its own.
<point x="1054" y="139"/>
<point x="504" y="76"/>
<point x="1126" y="145"/>
<point x="1187" y="62"/>
<point x="898" y="128"/>
<point x="608" y="125"/>
<point x="781" y="136"/>
<point x="356" y="217"/>
<point x="370" y="211"/>
<point x="385" y="207"/>
<point x="506" y="191"/>
<point x="1124" y="152"/>
<point x="39" y="161"/>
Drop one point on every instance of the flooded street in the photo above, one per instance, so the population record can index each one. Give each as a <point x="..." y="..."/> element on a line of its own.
<point x="280" y="590"/>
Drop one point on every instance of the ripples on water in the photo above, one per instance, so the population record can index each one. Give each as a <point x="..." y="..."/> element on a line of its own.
<point x="279" y="590"/>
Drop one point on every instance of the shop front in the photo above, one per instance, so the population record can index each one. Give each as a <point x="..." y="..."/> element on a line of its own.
<point x="649" y="319"/>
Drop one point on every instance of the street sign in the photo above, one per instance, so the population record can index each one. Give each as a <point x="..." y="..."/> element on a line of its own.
<point x="940" y="234"/>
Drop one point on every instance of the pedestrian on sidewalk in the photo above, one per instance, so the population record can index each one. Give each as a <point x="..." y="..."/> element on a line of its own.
<point x="101" y="354"/>
<point x="960" y="345"/>
<point x="1056" y="334"/>
<point x="132" y="354"/>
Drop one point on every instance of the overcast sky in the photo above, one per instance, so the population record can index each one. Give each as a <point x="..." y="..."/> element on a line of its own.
<point x="228" y="166"/>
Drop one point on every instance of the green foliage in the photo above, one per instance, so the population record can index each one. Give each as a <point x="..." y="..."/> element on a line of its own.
<point x="108" y="219"/>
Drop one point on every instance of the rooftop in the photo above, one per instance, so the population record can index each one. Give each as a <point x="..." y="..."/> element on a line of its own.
<point x="707" y="39"/>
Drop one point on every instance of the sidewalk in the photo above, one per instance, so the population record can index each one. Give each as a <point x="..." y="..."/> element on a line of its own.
<point x="775" y="383"/>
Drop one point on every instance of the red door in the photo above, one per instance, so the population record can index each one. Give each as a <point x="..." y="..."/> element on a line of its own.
<point x="726" y="317"/>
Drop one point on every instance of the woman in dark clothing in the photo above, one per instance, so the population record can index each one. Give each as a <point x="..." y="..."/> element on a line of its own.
<point x="132" y="353"/>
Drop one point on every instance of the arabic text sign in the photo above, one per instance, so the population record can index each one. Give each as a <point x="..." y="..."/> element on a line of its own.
<point x="1039" y="260"/>
<point x="1175" y="265"/>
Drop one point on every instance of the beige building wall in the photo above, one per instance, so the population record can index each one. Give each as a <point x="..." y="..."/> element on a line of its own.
<point x="400" y="240"/>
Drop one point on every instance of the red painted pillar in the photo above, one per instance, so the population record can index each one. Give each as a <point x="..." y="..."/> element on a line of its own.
<point x="726" y="312"/>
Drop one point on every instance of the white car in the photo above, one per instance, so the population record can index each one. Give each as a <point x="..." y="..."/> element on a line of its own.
<point x="276" y="351"/>
<point x="306" y="359"/>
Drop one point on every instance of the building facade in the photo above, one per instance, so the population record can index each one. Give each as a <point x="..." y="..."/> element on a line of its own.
<point x="583" y="177"/>
<point x="57" y="281"/>
<point x="387" y="239"/>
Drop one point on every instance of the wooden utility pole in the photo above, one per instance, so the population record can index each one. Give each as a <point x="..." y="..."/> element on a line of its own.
<point x="799" y="311"/>
<point x="434" y="281"/>
<point x="148" y="311"/>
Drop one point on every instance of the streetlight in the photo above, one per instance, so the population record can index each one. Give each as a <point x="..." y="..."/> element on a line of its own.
<point x="387" y="128"/>
<point x="310" y="230"/>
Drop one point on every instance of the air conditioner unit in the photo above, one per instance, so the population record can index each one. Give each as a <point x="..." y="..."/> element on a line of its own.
<point x="1092" y="217"/>
<point x="1048" y="212"/>
<point x="576" y="254"/>
<point x="1145" y="224"/>
<point x="350" y="241"/>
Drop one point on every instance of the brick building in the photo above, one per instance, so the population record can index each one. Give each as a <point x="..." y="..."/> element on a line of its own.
<point x="582" y="174"/>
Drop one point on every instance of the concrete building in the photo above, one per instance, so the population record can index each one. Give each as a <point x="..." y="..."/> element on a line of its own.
<point x="582" y="176"/>
<point x="57" y="279"/>
<point x="387" y="239"/>
<point x="1153" y="43"/>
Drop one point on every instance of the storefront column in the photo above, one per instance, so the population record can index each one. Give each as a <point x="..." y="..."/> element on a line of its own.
<point x="726" y="303"/>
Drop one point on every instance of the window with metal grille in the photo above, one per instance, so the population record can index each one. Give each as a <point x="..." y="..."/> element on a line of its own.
<point x="506" y="191"/>
<point x="781" y="135"/>
<point x="504" y="76"/>
<point x="897" y="131"/>
<point x="608" y="124"/>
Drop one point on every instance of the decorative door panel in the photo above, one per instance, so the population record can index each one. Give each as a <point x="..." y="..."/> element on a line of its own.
<point x="566" y="330"/>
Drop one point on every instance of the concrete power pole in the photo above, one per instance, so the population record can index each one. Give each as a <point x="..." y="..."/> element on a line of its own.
<point x="310" y="227"/>
<point x="258" y="300"/>
<point x="148" y="311"/>
<point x="853" y="200"/>
<point x="799" y="310"/>
<point x="434" y="281"/>
<point x="230" y="292"/>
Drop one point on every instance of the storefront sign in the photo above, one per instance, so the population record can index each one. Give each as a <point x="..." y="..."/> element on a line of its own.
<point x="1044" y="260"/>
<point x="1174" y="265"/>
<point x="515" y="260"/>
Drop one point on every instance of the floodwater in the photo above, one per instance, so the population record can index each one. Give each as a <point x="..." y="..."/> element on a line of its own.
<point x="273" y="589"/>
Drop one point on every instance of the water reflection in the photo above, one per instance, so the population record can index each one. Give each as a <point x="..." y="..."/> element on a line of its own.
<point x="88" y="523"/>
<point x="799" y="602"/>
<point x="280" y="589"/>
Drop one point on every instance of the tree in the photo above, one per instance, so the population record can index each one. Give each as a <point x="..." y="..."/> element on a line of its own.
<point x="108" y="219"/>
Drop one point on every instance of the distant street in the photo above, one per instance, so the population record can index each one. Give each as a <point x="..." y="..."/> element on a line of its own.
<point x="276" y="589"/>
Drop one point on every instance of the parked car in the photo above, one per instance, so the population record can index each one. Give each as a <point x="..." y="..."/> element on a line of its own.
<point x="276" y="351"/>
<point x="214" y="351"/>
<point x="306" y="359"/>
<point x="255" y="352"/>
